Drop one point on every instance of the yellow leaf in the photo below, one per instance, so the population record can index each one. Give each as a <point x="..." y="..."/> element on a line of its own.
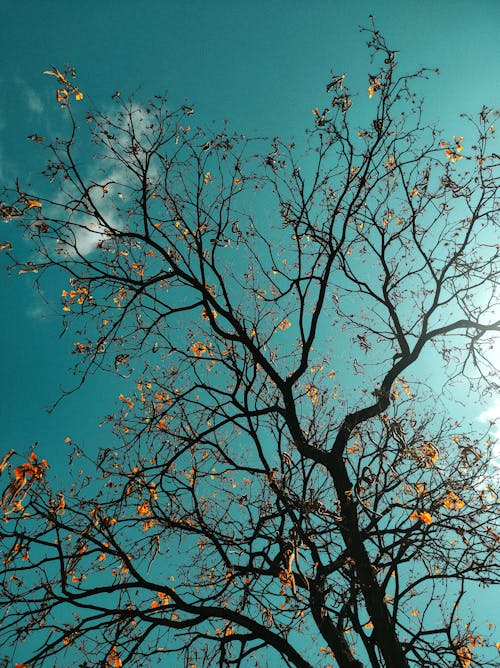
<point x="312" y="392"/>
<point x="162" y="425"/>
<point x="32" y="203"/>
<point x="374" y="85"/>
<point x="430" y="453"/>
<point x="205" y="314"/>
<point x="79" y="96"/>
<point x="113" y="658"/>
<point x="55" y="73"/>
<point x="284" y="324"/>
<point x="452" y="502"/>
<point x="144" y="509"/>
<point x="198" y="348"/>
<point x="465" y="656"/>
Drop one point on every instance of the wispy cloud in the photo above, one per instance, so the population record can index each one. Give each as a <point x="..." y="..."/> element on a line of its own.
<point x="2" y="172"/>
<point x="33" y="100"/>
<point x="84" y="231"/>
<point x="492" y="415"/>
<point x="37" y="312"/>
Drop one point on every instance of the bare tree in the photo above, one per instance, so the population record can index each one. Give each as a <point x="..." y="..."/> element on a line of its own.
<point x="286" y="486"/>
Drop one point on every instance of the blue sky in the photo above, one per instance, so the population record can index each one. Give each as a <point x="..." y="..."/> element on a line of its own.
<point x="261" y="64"/>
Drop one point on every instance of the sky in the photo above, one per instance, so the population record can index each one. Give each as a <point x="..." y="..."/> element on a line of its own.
<point x="261" y="64"/>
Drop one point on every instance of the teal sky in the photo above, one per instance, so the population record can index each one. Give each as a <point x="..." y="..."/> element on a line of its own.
<point x="262" y="64"/>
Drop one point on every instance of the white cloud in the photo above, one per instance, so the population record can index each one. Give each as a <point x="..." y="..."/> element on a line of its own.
<point x="38" y="312"/>
<point x="83" y="232"/>
<point x="33" y="100"/>
<point x="492" y="415"/>
<point x="2" y="171"/>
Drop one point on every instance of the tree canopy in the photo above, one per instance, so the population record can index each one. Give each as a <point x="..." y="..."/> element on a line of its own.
<point x="290" y="480"/>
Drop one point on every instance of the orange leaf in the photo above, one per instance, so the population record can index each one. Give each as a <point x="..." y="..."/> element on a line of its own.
<point x="144" y="509"/>
<point x="55" y="73"/>
<point x="32" y="203"/>
<point x="284" y="324"/>
<point x="312" y="392"/>
<point x="205" y="314"/>
<point x="113" y="658"/>
<point x="198" y="348"/>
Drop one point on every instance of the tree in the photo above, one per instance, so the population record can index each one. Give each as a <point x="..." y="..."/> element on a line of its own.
<point x="286" y="483"/>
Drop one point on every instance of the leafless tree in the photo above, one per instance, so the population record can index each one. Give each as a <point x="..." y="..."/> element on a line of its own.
<point x="285" y="486"/>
